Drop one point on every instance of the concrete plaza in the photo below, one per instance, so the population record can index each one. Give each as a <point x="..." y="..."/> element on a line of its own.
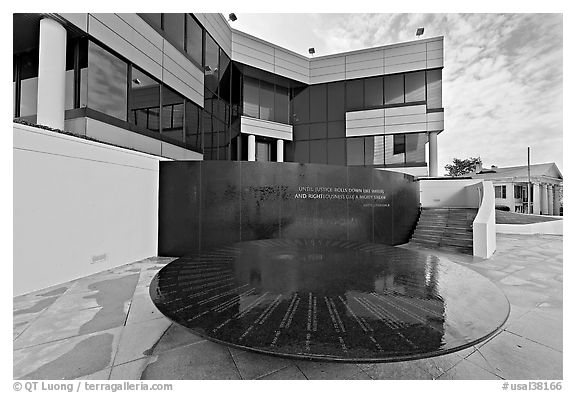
<point x="105" y="326"/>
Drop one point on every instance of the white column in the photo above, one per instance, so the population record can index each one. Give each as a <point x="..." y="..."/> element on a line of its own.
<point x="251" y="148"/>
<point x="550" y="200"/>
<point x="544" y="199"/>
<point x="280" y="150"/>
<point x="557" y="200"/>
<point x="536" y="201"/>
<point x="51" y="74"/>
<point x="433" y="153"/>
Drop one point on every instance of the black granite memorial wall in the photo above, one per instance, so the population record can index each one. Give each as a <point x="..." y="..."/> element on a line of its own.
<point x="206" y="204"/>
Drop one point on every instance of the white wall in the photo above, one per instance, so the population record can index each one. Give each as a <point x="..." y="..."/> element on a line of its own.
<point x="449" y="193"/>
<point x="76" y="201"/>
<point x="484" y="226"/>
<point x="538" y="228"/>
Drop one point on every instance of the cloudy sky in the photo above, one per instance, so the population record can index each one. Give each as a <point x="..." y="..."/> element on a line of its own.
<point x="502" y="75"/>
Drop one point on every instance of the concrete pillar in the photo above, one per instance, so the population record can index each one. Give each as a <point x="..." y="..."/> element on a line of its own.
<point x="536" y="201"/>
<point x="51" y="74"/>
<point x="251" y="148"/>
<point x="544" y="199"/>
<point x="550" y="200"/>
<point x="433" y="154"/>
<point x="280" y="150"/>
<point x="557" y="200"/>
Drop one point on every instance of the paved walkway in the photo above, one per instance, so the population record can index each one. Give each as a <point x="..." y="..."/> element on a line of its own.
<point x="105" y="327"/>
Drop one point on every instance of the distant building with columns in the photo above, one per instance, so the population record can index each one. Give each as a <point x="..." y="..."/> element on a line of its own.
<point x="190" y="87"/>
<point x="511" y="187"/>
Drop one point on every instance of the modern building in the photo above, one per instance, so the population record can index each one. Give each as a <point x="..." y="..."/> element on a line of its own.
<point x="511" y="187"/>
<point x="188" y="86"/>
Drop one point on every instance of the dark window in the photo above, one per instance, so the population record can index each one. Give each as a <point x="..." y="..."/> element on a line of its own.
<point x="391" y="155"/>
<point x="318" y="131"/>
<point x="301" y="105"/>
<point x="318" y="103"/>
<point x="172" y="114"/>
<point x="194" y="40"/>
<point x="373" y="92"/>
<point x="193" y="126"/>
<point x="29" y="83"/>
<point x="263" y="151"/>
<point x="153" y="19"/>
<point x="517" y="192"/>
<point x="415" y="86"/>
<point x="224" y="82"/>
<point x="251" y="97"/>
<point x="282" y="105"/>
<point x="500" y="192"/>
<point x="174" y="28"/>
<point x="336" y="129"/>
<point x="211" y="73"/>
<point x="399" y="144"/>
<point x="107" y="81"/>
<point x="434" y="89"/>
<point x="336" y="151"/>
<point x="355" y="94"/>
<point x="318" y="152"/>
<point x="266" y="101"/>
<point x="301" y="132"/>
<point x="394" y="89"/>
<point x="144" y="111"/>
<point x="355" y="151"/>
<point x="207" y="131"/>
<point x="302" y="151"/>
<point x="336" y="101"/>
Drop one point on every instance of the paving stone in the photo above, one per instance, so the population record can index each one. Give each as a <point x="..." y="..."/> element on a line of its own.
<point x="436" y="366"/>
<point x="138" y="340"/>
<point x="102" y="375"/>
<point x="203" y="360"/>
<point x="327" y="370"/>
<point x="540" y="327"/>
<point x="142" y="308"/>
<point x="287" y="373"/>
<point x="253" y="365"/>
<point x="395" y="371"/>
<point x="176" y="336"/>
<point x="67" y="359"/>
<point x="513" y="357"/>
<point x="466" y="370"/>
<point x="130" y="371"/>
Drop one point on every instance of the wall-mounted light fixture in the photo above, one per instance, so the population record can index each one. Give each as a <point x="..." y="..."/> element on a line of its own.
<point x="232" y="17"/>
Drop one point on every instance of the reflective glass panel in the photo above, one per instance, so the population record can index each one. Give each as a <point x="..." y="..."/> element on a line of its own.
<point x="318" y="103"/>
<point x="282" y="105"/>
<point x="211" y="71"/>
<point x="373" y="92"/>
<point x="194" y="40"/>
<point x="416" y="147"/>
<point x="336" y="101"/>
<point x="174" y="28"/>
<point x="302" y="151"/>
<point x="336" y="151"/>
<point x="415" y="86"/>
<point x="318" y="131"/>
<point x="144" y="101"/>
<point x="153" y="19"/>
<point x="394" y="89"/>
<point x="301" y="105"/>
<point x="224" y="75"/>
<point x="29" y="83"/>
<point x="336" y="129"/>
<point x="434" y="90"/>
<point x="107" y="81"/>
<point x="266" y="101"/>
<point x="192" y="127"/>
<point x="318" y="152"/>
<point x="392" y="156"/>
<point x="355" y="151"/>
<point x="374" y="150"/>
<point x="301" y="132"/>
<point x="172" y="114"/>
<point x="251" y="97"/>
<point x="355" y="94"/>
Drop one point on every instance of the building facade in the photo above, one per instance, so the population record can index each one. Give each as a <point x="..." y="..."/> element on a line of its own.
<point x="511" y="188"/>
<point x="188" y="86"/>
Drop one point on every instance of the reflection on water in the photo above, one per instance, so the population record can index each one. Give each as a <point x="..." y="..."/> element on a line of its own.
<point x="329" y="299"/>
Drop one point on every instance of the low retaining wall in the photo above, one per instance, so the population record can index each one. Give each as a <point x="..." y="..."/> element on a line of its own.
<point x="539" y="228"/>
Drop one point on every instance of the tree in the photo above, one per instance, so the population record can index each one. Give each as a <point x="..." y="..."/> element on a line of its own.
<point x="462" y="167"/>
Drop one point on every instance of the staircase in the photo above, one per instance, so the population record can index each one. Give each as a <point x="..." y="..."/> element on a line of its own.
<point x="445" y="228"/>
